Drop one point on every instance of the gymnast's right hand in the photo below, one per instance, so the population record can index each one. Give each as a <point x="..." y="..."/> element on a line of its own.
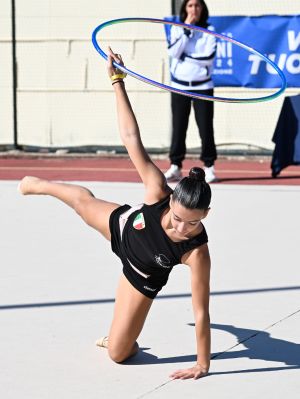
<point x="114" y="72"/>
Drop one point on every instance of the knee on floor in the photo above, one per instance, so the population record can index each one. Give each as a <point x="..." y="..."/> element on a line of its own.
<point x="118" y="356"/>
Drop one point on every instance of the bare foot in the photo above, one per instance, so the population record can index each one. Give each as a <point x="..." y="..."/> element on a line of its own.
<point x="29" y="185"/>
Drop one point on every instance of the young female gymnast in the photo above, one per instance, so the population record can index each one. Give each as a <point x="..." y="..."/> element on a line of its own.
<point x="150" y="239"/>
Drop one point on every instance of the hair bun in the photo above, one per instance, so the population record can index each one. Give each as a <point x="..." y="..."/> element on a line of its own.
<point x="197" y="174"/>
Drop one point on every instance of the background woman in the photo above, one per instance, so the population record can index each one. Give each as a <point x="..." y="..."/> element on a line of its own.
<point x="192" y="54"/>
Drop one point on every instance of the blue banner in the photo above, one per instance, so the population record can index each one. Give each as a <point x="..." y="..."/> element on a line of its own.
<point x="277" y="37"/>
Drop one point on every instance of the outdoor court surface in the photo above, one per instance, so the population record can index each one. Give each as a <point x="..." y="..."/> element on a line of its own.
<point x="58" y="280"/>
<point x="97" y="168"/>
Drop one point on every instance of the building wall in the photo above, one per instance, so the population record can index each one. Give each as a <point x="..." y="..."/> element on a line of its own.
<point x="65" y="97"/>
<point x="6" y="107"/>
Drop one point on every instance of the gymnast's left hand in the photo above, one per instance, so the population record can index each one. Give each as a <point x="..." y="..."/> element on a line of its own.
<point x="111" y="69"/>
<point x="193" y="372"/>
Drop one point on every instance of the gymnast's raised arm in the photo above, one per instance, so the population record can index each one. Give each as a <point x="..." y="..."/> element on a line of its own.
<point x="153" y="179"/>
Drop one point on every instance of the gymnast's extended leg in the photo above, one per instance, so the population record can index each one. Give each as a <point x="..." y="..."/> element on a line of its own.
<point x="131" y="307"/>
<point x="95" y="212"/>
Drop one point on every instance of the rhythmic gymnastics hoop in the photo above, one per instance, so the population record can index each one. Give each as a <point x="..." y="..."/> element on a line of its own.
<point x="185" y="92"/>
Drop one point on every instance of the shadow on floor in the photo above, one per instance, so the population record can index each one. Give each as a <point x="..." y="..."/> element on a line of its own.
<point x="160" y="297"/>
<point x="258" y="345"/>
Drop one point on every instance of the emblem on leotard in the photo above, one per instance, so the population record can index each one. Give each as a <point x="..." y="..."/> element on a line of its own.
<point x="149" y="289"/>
<point x="162" y="260"/>
<point x="139" y="221"/>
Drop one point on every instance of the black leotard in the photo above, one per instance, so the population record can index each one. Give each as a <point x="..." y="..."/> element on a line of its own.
<point x="147" y="253"/>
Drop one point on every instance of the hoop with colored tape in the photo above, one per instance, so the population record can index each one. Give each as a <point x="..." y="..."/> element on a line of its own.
<point x="185" y="92"/>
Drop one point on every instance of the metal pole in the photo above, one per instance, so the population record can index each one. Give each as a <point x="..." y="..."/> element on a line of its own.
<point x="14" y="73"/>
<point x="173" y="8"/>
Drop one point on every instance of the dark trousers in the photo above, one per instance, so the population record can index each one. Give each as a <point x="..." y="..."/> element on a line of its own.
<point x="204" y="113"/>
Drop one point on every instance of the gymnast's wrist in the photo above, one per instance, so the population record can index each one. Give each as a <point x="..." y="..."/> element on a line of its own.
<point x="117" y="81"/>
<point x="203" y="368"/>
<point x="118" y="76"/>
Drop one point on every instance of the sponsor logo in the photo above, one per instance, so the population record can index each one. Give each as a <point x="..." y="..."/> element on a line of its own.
<point x="139" y="221"/>
<point x="287" y="57"/>
<point x="149" y="289"/>
<point x="162" y="261"/>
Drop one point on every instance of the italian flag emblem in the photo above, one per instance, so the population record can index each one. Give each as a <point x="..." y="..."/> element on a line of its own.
<point x="139" y="222"/>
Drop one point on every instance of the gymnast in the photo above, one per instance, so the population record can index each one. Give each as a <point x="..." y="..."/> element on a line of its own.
<point x="149" y="239"/>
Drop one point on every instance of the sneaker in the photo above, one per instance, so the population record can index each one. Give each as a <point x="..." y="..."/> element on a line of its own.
<point x="174" y="173"/>
<point x="210" y="174"/>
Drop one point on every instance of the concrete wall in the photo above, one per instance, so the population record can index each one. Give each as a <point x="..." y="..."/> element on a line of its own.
<point x="64" y="96"/>
<point x="6" y="107"/>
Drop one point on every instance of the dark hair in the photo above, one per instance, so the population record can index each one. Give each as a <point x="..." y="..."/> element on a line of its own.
<point x="193" y="192"/>
<point x="203" y="17"/>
